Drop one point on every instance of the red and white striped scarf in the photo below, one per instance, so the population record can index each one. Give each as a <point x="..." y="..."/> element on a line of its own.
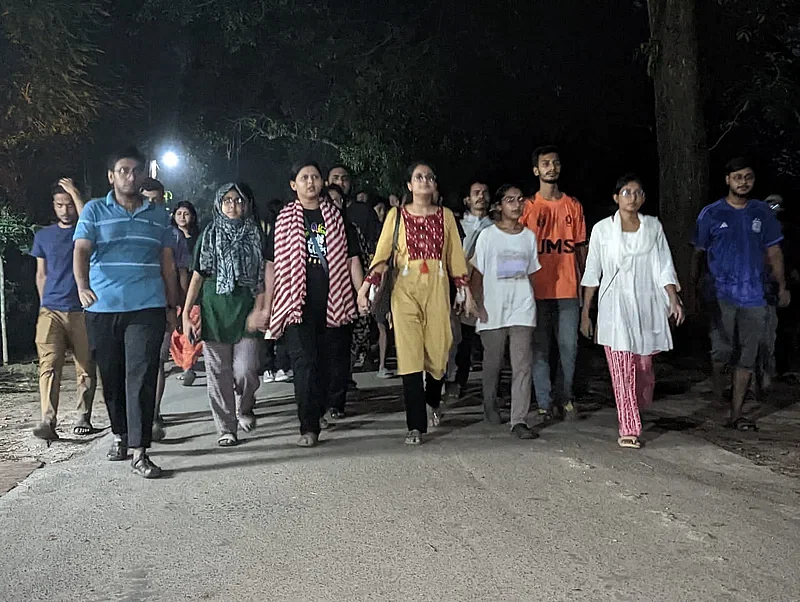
<point x="291" y="257"/>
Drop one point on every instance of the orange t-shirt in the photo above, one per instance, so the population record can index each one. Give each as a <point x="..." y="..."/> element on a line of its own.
<point x="559" y="226"/>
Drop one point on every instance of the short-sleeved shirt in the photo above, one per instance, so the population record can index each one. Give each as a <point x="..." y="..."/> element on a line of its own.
<point x="317" y="281"/>
<point x="54" y="244"/>
<point x="559" y="227"/>
<point x="181" y="249"/>
<point x="735" y="242"/>
<point x="506" y="260"/>
<point x="125" y="266"/>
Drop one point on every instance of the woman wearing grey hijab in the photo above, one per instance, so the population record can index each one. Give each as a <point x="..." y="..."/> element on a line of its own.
<point x="229" y="279"/>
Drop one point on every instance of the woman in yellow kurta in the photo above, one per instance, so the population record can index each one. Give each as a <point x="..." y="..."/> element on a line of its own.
<point x="428" y="248"/>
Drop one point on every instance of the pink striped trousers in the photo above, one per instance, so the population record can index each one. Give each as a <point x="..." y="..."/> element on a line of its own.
<point x="633" y="380"/>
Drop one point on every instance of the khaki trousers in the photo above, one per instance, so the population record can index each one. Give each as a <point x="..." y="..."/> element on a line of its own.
<point x="57" y="331"/>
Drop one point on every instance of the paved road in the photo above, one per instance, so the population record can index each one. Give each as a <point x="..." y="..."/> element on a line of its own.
<point x="472" y="515"/>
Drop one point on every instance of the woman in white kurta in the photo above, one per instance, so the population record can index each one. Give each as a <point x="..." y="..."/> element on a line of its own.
<point x="630" y="263"/>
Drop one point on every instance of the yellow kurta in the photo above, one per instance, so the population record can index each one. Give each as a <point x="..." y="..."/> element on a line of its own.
<point x="421" y="302"/>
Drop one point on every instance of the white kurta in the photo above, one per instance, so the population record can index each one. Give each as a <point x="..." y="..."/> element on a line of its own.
<point x="631" y="269"/>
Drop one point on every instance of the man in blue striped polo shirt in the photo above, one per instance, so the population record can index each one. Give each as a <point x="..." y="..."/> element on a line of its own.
<point x="125" y="271"/>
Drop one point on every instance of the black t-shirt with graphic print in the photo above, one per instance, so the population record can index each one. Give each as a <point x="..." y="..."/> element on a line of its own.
<point x="317" y="282"/>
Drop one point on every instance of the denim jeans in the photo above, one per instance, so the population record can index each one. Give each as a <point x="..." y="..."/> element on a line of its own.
<point x="559" y="318"/>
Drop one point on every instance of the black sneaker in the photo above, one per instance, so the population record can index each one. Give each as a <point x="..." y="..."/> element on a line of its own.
<point x="118" y="451"/>
<point x="145" y="468"/>
<point x="521" y="431"/>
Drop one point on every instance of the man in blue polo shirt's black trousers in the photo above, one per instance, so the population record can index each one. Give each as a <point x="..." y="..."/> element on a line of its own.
<point x="125" y="272"/>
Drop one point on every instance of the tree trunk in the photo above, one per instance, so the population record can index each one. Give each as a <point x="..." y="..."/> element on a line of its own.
<point x="680" y="127"/>
<point x="3" y="322"/>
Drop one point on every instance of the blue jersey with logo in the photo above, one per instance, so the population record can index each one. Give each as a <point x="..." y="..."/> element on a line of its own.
<point x="736" y="243"/>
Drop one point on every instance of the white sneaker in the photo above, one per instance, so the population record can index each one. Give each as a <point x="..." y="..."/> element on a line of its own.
<point x="269" y="377"/>
<point x="383" y="374"/>
<point x="281" y="376"/>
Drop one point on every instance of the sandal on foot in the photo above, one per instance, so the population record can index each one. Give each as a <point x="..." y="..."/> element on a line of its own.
<point x="414" y="437"/>
<point x="82" y="427"/>
<point x="434" y="416"/>
<point x="145" y="468"/>
<point x="743" y="424"/>
<point x="629" y="442"/>
<point x="227" y="440"/>
<point x="308" y="440"/>
<point x="247" y="422"/>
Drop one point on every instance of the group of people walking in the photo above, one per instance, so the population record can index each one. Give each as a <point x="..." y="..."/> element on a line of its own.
<point x="510" y="271"/>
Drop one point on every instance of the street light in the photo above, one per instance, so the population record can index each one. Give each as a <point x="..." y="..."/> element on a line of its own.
<point x="170" y="160"/>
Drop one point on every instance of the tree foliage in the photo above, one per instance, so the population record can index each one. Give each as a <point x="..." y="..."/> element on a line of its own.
<point x="48" y="77"/>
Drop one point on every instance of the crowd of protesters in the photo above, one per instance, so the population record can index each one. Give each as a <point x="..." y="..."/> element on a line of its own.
<point x="301" y="291"/>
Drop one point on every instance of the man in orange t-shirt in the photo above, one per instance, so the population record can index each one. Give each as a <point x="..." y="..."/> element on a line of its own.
<point x="558" y="223"/>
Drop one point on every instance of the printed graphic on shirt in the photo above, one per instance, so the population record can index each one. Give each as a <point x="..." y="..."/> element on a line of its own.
<point x="512" y="265"/>
<point x="560" y="230"/>
<point x="319" y="232"/>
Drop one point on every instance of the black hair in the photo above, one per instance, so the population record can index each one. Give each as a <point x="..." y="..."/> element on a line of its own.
<point x="151" y="185"/>
<point x="414" y="165"/>
<point x="737" y="164"/>
<point x="475" y="180"/>
<point x="130" y="152"/>
<point x="56" y="188"/>
<point x="626" y="179"/>
<point x="336" y="188"/>
<point x="298" y="167"/>
<point x="336" y="166"/>
<point x="546" y="149"/>
<point x="501" y="192"/>
<point x="380" y="201"/>
<point x="245" y="189"/>
<point x="194" y="227"/>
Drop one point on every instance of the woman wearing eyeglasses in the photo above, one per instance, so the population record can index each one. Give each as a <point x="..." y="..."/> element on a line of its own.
<point x="428" y="249"/>
<point x="630" y="263"/>
<point x="313" y="270"/>
<point x="229" y="271"/>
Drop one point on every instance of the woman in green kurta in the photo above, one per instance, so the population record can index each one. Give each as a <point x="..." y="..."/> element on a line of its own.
<point x="229" y="279"/>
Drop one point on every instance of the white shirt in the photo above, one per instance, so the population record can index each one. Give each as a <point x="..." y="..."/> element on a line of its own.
<point x="506" y="261"/>
<point x="469" y="223"/>
<point x="631" y="269"/>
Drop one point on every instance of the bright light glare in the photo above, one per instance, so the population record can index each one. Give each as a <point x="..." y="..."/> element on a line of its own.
<point x="170" y="160"/>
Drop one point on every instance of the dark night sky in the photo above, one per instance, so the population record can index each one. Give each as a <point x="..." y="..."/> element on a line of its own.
<point x="564" y="73"/>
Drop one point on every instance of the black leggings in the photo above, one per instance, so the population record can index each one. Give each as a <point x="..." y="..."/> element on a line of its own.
<point x="417" y="395"/>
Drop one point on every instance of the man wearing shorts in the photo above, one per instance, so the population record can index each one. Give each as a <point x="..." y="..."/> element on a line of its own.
<point x="736" y="237"/>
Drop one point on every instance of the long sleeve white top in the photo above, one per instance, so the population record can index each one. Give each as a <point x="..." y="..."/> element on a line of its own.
<point x="631" y="270"/>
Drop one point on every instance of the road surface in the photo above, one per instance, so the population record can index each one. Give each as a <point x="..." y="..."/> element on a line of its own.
<point x="471" y="515"/>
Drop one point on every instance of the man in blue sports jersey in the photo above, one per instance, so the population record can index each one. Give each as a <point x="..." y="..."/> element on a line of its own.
<point x="737" y="238"/>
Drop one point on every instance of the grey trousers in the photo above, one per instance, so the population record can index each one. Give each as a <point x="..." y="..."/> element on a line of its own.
<point x="494" y="346"/>
<point x="232" y="374"/>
